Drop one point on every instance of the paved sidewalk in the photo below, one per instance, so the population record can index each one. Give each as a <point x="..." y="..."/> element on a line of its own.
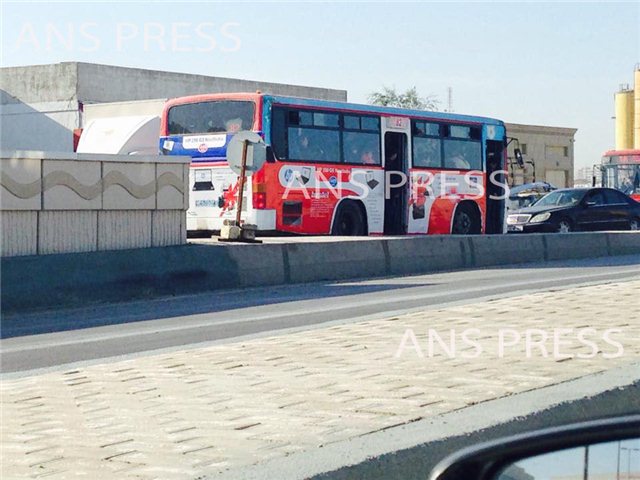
<point x="203" y="410"/>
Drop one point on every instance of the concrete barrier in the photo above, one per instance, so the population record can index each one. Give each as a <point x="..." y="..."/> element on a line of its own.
<point x="584" y="245"/>
<point x="626" y="243"/>
<point x="510" y="248"/>
<point x="52" y="281"/>
<point x="312" y="262"/>
<point x="427" y="254"/>
<point x="52" y="203"/>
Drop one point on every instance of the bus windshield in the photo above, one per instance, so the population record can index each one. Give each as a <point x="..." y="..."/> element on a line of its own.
<point x="624" y="177"/>
<point x="561" y="198"/>
<point x="211" y="117"/>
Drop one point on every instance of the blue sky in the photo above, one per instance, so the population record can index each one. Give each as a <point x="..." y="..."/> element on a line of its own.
<point x="541" y="63"/>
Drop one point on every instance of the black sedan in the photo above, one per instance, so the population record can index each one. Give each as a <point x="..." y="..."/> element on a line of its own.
<point x="577" y="209"/>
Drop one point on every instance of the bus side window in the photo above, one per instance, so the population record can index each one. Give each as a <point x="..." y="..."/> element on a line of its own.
<point x="361" y="147"/>
<point x="427" y="152"/>
<point x="311" y="144"/>
<point x="361" y="140"/>
<point x="427" y="145"/>
<point x="279" y="134"/>
<point x="462" y="154"/>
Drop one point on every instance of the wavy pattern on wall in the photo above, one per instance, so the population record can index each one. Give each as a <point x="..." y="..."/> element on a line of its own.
<point x="89" y="192"/>
<point x="20" y="190"/>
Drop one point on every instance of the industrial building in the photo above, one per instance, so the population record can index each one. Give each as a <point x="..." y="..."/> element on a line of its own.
<point x="548" y="153"/>
<point x="620" y="167"/>
<point x="41" y="105"/>
<point x="627" y="116"/>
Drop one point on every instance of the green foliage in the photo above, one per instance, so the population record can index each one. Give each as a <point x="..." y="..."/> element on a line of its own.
<point x="389" y="97"/>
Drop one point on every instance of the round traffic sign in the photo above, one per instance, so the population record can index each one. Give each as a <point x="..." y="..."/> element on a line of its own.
<point x="256" y="152"/>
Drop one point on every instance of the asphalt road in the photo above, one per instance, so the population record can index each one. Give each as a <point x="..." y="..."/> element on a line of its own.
<point x="50" y="339"/>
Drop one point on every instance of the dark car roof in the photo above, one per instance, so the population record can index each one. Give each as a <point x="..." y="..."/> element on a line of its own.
<point x="535" y="208"/>
<point x="587" y="189"/>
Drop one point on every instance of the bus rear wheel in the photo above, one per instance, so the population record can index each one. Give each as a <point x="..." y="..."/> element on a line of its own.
<point x="349" y="220"/>
<point x="466" y="221"/>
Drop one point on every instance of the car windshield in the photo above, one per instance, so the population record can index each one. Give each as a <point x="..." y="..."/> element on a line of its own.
<point x="561" y="198"/>
<point x="515" y="203"/>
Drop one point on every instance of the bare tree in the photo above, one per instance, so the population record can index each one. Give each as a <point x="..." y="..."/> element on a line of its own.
<point x="389" y="97"/>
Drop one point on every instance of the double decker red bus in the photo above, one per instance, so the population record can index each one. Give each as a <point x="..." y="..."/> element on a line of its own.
<point x="620" y="169"/>
<point x="341" y="168"/>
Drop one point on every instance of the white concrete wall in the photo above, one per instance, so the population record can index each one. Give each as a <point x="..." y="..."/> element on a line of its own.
<point x="46" y="126"/>
<point x="109" y="83"/>
<point x="59" y="203"/>
<point x="94" y="111"/>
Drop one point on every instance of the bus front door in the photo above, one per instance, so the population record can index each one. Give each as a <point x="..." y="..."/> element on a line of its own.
<point x="397" y="184"/>
<point x="495" y="191"/>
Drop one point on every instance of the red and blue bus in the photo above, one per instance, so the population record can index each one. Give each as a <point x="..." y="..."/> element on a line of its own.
<point x="341" y="168"/>
<point x="620" y="169"/>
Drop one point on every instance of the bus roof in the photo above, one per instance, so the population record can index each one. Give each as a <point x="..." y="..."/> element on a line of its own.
<point x="313" y="103"/>
<point x="355" y="107"/>
<point x="611" y="153"/>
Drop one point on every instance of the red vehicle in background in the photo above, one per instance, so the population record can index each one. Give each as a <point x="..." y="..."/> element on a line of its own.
<point x="620" y="169"/>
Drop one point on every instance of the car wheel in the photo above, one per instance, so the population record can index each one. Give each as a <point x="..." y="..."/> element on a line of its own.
<point x="634" y="224"/>
<point x="465" y="221"/>
<point x="564" y="226"/>
<point x="349" y="220"/>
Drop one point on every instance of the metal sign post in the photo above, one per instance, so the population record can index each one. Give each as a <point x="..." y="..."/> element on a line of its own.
<point x="243" y="176"/>
<point x="246" y="153"/>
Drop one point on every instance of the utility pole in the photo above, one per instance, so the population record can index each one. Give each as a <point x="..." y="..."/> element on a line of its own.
<point x="618" y="469"/>
<point x="585" y="475"/>
<point x="449" y="99"/>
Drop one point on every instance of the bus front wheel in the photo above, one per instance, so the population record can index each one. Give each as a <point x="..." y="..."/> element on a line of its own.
<point x="349" y="220"/>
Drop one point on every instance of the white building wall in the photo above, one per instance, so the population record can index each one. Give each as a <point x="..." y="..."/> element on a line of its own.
<point x="45" y="126"/>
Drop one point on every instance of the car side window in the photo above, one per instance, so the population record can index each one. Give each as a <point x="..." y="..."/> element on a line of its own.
<point x="614" y="197"/>
<point x="597" y="198"/>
